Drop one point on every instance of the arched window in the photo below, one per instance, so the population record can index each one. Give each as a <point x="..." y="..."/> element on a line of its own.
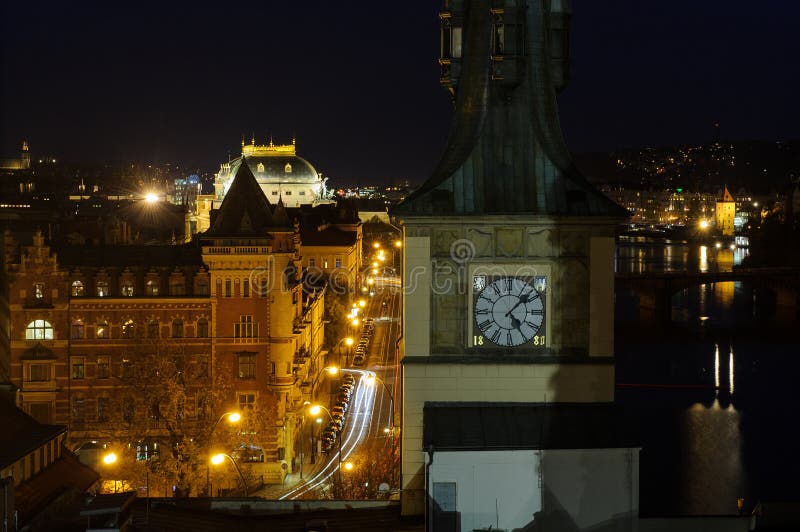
<point x="78" y="329"/>
<point x="202" y="287"/>
<point x="129" y="329"/>
<point x="202" y="328"/>
<point x="127" y="288"/>
<point x="177" y="328"/>
<point x="102" y="288"/>
<point x="260" y="167"/>
<point x="102" y="330"/>
<point x="153" y="329"/>
<point x="77" y="288"/>
<point x="287" y="168"/>
<point x="39" y="330"/>
<point x="151" y="288"/>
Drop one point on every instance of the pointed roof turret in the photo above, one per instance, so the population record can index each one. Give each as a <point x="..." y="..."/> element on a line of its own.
<point x="726" y="195"/>
<point x="280" y="218"/>
<point x="245" y="209"/>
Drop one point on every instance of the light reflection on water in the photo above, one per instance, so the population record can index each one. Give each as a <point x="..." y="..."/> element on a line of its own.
<point x="721" y="433"/>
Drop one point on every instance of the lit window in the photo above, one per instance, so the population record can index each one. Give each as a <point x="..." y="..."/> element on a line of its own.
<point x="127" y="288"/>
<point x="202" y="328"/>
<point x="39" y="330"/>
<point x="102" y="289"/>
<point x="102" y="331"/>
<point x="151" y="288"/>
<point x="128" y="329"/>
<point x="247" y="365"/>
<point x="260" y="167"/>
<point x="77" y="288"/>
<point x="38" y="291"/>
<point x="338" y="262"/>
<point x="287" y="168"/>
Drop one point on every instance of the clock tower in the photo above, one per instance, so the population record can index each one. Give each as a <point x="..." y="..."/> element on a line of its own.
<point x="508" y="274"/>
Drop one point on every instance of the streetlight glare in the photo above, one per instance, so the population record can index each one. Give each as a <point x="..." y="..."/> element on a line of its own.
<point x="217" y="459"/>
<point x="333" y="370"/>
<point x="234" y="417"/>
<point x="315" y="410"/>
<point x="151" y="197"/>
<point x="348" y="341"/>
<point x="704" y="224"/>
<point x="362" y="303"/>
<point x="110" y="458"/>
<point x="376" y="245"/>
<point x="348" y="466"/>
<point x="398" y="243"/>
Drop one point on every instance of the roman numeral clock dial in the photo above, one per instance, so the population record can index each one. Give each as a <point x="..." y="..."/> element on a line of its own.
<point x="509" y="311"/>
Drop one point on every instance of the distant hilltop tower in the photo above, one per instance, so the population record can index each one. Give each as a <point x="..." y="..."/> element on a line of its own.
<point x="725" y="212"/>
<point x="23" y="163"/>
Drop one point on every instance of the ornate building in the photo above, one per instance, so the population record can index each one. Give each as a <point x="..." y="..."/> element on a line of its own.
<point x="725" y="212"/>
<point x="230" y="314"/>
<point x="23" y="163"/>
<point x="508" y="368"/>
<point x="280" y="173"/>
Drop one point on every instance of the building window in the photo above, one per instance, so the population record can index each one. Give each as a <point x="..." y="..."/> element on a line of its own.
<point x="102" y="408"/>
<point x="177" y="328"/>
<point x="272" y="368"/>
<point x="126" y="369"/>
<point x="325" y="263"/>
<point x="129" y="329"/>
<point x="39" y="330"/>
<point x="78" y="408"/>
<point x="78" y="329"/>
<point x="338" y="262"/>
<point x="202" y="288"/>
<point x="103" y="367"/>
<point x="247" y="365"/>
<point x="202" y="365"/>
<point x="236" y="290"/>
<point x="151" y="288"/>
<point x="38" y="291"/>
<point x="77" y="288"/>
<point x="102" y="288"/>
<point x="78" y="368"/>
<point x="39" y="373"/>
<point x="288" y="192"/>
<point x="227" y="288"/>
<point x="302" y="192"/>
<point x="274" y="192"/>
<point x="152" y="329"/>
<point x="260" y="167"/>
<point x="102" y="330"/>
<point x="312" y="262"/>
<point x="246" y="288"/>
<point x="264" y="291"/>
<point x="287" y="168"/>
<point x="202" y="328"/>
<point x="247" y="400"/>
<point x="128" y="409"/>
<point x="245" y="327"/>
<point x="177" y="289"/>
<point x="127" y="288"/>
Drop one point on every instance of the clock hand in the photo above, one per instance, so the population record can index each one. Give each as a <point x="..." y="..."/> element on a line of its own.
<point x="515" y="323"/>
<point x="522" y="299"/>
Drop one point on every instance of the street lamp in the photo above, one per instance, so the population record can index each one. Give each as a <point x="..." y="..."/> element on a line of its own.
<point x="372" y="379"/>
<point x="217" y="459"/>
<point x="233" y="417"/>
<point x="315" y="410"/>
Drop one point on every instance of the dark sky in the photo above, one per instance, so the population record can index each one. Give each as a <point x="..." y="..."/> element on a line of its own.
<point x="357" y="81"/>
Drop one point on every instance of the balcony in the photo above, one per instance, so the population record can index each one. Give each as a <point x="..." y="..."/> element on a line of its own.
<point x="281" y="383"/>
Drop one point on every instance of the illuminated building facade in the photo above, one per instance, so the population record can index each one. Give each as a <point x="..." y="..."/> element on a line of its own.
<point x="725" y="213"/>
<point x="23" y="163"/>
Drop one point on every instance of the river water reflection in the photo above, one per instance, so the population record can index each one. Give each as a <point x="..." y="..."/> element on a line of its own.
<point x="712" y="394"/>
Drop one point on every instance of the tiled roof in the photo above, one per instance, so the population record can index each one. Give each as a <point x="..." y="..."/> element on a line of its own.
<point x="21" y="433"/>
<point x="123" y="256"/>
<point x="506" y="426"/>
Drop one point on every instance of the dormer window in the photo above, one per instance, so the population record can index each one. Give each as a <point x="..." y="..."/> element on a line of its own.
<point x="38" y="291"/>
<point x="102" y="289"/>
<point x="127" y="288"/>
<point x="287" y="168"/>
<point x="77" y="288"/>
<point x="260" y="167"/>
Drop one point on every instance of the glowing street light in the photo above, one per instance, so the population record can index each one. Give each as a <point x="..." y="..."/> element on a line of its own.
<point x="376" y="245"/>
<point x="704" y="224"/>
<point x="217" y="459"/>
<point x="151" y="197"/>
<point x="348" y="341"/>
<point x="348" y="466"/>
<point x="110" y="458"/>
<point x="398" y="244"/>
<point x="362" y="303"/>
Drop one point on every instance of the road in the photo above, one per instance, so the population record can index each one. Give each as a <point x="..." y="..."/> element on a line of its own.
<point x="370" y="413"/>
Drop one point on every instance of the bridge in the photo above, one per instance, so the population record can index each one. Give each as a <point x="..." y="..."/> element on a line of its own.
<point x="655" y="290"/>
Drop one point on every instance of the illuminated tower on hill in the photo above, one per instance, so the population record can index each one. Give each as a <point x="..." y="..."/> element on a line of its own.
<point x="725" y="212"/>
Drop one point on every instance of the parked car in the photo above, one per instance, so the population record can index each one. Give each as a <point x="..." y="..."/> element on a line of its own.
<point x="349" y="379"/>
<point x="344" y="405"/>
<point x="358" y="360"/>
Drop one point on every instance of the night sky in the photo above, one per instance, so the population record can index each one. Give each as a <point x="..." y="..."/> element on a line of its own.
<point x="357" y="81"/>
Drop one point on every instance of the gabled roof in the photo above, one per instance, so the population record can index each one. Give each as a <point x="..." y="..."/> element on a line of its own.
<point x="245" y="211"/>
<point x="21" y="433"/>
<point x="726" y="195"/>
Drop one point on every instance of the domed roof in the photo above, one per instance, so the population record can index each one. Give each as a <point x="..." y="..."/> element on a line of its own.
<point x="272" y="163"/>
<point x="282" y="168"/>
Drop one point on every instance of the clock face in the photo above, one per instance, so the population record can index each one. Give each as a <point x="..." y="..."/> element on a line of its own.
<point x="509" y="311"/>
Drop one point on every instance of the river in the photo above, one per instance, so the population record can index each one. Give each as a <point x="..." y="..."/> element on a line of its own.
<point x="712" y="394"/>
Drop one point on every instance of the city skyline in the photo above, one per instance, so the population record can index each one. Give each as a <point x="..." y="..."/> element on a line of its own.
<point x="107" y="85"/>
